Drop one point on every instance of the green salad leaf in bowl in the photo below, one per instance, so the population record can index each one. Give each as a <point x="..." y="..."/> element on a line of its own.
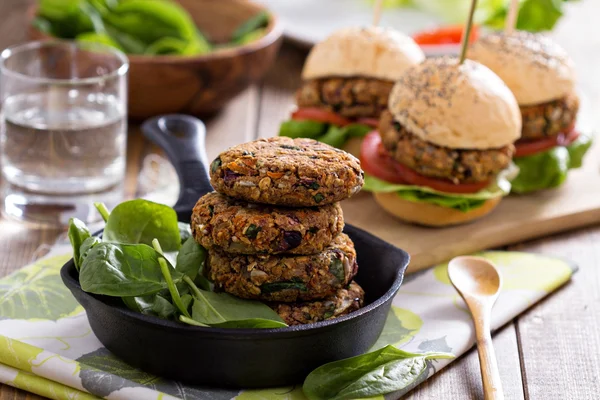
<point x="150" y="27"/>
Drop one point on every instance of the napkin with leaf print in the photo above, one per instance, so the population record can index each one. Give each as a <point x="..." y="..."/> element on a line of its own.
<point x="47" y="346"/>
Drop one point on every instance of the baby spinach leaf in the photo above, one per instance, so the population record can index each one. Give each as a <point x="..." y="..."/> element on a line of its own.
<point x="377" y="373"/>
<point x="154" y="304"/>
<point x="141" y="221"/>
<point x="78" y="233"/>
<point x="278" y="286"/>
<point x="256" y="22"/>
<point x="225" y="310"/>
<point x="305" y="129"/>
<point x="164" y="268"/>
<point x="122" y="270"/>
<point x="185" y="231"/>
<point x="86" y="246"/>
<point x="191" y="259"/>
<point x="163" y="307"/>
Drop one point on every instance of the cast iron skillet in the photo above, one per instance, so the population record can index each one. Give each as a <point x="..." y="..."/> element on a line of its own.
<point x="238" y="357"/>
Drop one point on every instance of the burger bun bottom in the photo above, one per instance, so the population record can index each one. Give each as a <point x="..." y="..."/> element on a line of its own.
<point x="430" y="214"/>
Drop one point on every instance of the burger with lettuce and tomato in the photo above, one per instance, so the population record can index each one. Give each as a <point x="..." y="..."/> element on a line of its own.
<point x="347" y="80"/>
<point x="541" y="75"/>
<point x="443" y="151"/>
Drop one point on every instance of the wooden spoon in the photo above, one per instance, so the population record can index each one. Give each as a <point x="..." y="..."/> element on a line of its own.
<point x="478" y="282"/>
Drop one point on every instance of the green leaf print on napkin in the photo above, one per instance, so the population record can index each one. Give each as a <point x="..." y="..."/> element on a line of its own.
<point x="102" y="373"/>
<point x="285" y="393"/>
<point x="37" y="292"/>
<point x="400" y="327"/>
<point x="527" y="271"/>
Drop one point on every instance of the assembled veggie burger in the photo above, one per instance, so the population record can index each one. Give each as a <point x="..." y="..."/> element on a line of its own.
<point x="347" y="81"/>
<point x="443" y="152"/>
<point x="542" y="77"/>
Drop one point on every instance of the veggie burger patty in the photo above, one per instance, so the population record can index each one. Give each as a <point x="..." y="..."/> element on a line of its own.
<point x="288" y="172"/>
<point x="344" y="301"/>
<point x="350" y="97"/>
<point x="285" y="278"/>
<point x="549" y="119"/>
<point x="456" y="165"/>
<point x="240" y="227"/>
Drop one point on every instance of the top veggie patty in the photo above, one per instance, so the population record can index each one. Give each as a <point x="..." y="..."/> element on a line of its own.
<point x="285" y="171"/>
<point x="350" y="97"/>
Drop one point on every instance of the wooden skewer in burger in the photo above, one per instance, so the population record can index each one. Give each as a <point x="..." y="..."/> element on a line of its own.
<point x="541" y="75"/>
<point x="443" y="152"/>
<point x="347" y="79"/>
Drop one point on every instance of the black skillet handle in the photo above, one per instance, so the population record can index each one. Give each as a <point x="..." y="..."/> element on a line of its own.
<point x="182" y="137"/>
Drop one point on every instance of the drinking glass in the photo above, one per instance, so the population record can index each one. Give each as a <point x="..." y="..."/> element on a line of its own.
<point x="63" y="132"/>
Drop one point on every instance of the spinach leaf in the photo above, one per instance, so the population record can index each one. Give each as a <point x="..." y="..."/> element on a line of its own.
<point x="164" y="268"/>
<point x="141" y="221"/>
<point x="115" y="269"/>
<point x="78" y="233"/>
<point x="225" y="310"/>
<point x="278" y="286"/>
<point x="154" y="304"/>
<point x="335" y="136"/>
<point x="256" y="22"/>
<point x="302" y="129"/>
<point x="377" y="373"/>
<point x="191" y="259"/>
<point x="163" y="307"/>
<point x="185" y="231"/>
<point x="141" y="304"/>
<point x="86" y="246"/>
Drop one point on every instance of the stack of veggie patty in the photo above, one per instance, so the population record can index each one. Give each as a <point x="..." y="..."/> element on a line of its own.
<point x="273" y="228"/>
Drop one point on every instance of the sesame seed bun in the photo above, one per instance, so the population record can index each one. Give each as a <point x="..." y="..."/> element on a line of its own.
<point x="534" y="67"/>
<point x="463" y="106"/>
<point x="371" y="52"/>
<point x="430" y="214"/>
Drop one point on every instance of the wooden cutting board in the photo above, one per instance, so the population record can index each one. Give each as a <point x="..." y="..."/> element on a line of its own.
<point x="517" y="218"/>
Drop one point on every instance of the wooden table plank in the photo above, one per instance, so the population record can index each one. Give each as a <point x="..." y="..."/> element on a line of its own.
<point x="462" y="378"/>
<point x="560" y="337"/>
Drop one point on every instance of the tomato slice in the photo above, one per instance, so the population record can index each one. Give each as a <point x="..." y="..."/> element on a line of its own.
<point x="445" y="35"/>
<point x="529" y="147"/>
<point x="316" y="114"/>
<point x="375" y="161"/>
<point x="372" y="122"/>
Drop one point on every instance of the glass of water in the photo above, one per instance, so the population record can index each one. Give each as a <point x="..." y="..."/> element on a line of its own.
<point x="63" y="132"/>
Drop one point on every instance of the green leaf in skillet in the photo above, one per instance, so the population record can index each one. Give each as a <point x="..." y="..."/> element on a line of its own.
<point x="377" y="373"/>
<point x="260" y="20"/>
<point x="86" y="246"/>
<point x="141" y="221"/>
<point x="185" y="231"/>
<point x="166" y="272"/>
<point x="191" y="260"/>
<point x="122" y="270"/>
<point x="302" y="129"/>
<point x="164" y="308"/>
<point x="78" y="233"/>
<point x="227" y="311"/>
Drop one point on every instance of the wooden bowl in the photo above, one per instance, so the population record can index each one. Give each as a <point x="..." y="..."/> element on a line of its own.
<point x="198" y="85"/>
